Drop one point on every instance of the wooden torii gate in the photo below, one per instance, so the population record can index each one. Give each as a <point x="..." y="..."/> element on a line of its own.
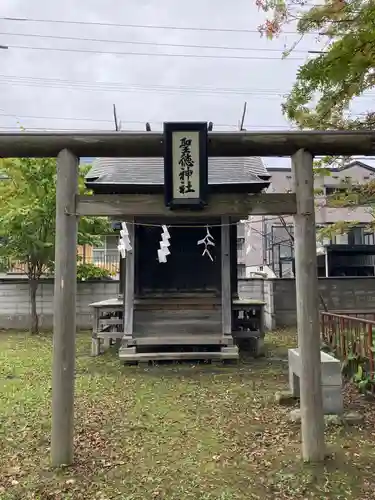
<point x="68" y="147"/>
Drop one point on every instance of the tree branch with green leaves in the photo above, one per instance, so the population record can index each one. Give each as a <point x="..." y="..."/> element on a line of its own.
<point x="326" y="84"/>
<point x="27" y="219"/>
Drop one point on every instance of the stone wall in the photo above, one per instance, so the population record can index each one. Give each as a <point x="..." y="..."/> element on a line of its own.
<point x="279" y="295"/>
<point x="339" y="294"/>
<point x="15" y="302"/>
<point x="254" y="288"/>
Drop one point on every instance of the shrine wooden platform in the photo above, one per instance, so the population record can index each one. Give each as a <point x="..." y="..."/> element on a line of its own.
<point x="177" y="328"/>
<point x="164" y="328"/>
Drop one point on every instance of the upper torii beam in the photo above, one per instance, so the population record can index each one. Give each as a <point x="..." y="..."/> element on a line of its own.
<point x="220" y="144"/>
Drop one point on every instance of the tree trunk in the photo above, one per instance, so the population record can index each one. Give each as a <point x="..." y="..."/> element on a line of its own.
<point x="34" y="320"/>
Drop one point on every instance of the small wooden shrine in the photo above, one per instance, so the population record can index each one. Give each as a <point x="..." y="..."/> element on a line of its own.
<point x="179" y="247"/>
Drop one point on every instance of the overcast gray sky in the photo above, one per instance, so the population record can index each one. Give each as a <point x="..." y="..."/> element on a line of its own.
<point x="154" y="88"/>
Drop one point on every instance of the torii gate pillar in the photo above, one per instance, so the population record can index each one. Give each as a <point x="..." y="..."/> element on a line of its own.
<point x="64" y="323"/>
<point x="312" y="416"/>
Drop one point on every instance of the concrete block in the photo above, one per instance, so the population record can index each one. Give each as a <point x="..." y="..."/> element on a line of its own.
<point x="333" y="402"/>
<point x="285" y="398"/>
<point x="258" y="346"/>
<point x="232" y="349"/>
<point x="353" y="418"/>
<point x="331" y="380"/>
<point x="329" y="365"/>
<point x="294" y="384"/>
<point x="329" y="420"/>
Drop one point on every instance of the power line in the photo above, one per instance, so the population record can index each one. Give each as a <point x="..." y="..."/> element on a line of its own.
<point x="182" y="88"/>
<point x="48" y="83"/>
<point x="150" y="54"/>
<point x="87" y="86"/>
<point x="140" y="26"/>
<point x="155" y="44"/>
<point x="131" y="86"/>
<point x="149" y="90"/>
<point x="138" y="122"/>
<point x="70" y="118"/>
<point x="235" y="127"/>
<point x="13" y="128"/>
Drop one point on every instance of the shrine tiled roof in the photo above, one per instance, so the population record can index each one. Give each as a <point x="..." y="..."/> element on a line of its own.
<point x="150" y="171"/>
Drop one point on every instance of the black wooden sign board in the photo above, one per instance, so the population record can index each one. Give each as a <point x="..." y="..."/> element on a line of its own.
<point x="185" y="165"/>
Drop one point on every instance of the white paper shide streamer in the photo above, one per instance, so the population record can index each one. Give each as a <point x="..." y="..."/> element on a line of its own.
<point x="164" y="251"/>
<point x="124" y="242"/>
<point x="207" y="241"/>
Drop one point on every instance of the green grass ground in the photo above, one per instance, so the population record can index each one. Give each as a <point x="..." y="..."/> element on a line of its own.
<point x="173" y="432"/>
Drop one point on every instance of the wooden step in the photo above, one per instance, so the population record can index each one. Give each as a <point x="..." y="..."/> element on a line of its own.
<point x="131" y="355"/>
<point x="179" y="340"/>
<point x="109" y="335"/>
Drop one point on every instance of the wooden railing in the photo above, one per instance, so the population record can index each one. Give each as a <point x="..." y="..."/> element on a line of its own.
<point x="351" y="337"/>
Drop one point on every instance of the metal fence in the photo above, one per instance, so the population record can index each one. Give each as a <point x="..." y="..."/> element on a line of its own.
<point x="8" y="266"/>
<point x="108" y="262"/>
<point x="350" y="337"/>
